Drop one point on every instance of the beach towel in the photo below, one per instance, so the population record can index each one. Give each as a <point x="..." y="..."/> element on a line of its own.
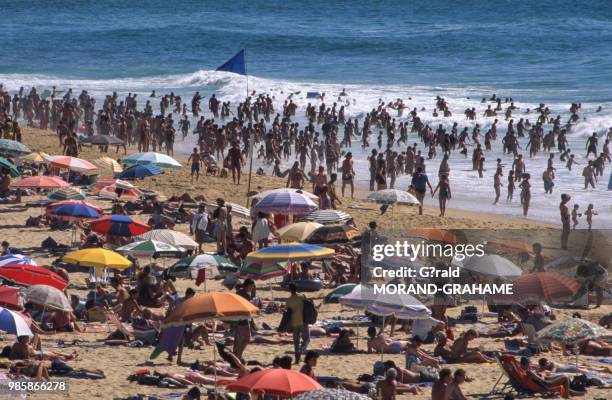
<point x="605" y="360"/>
<point x="169" y="341"/>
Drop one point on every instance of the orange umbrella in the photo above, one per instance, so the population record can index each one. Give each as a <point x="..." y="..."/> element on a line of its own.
<point x="438" y="235"/>
<point x="544" y="286"/>
<point x="275" y="382"/>
<point x="41" y="182"/>
<point x="214" y="305"/>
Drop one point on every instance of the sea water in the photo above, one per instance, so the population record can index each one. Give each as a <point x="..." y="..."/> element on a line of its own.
<point x="553" y="52"/>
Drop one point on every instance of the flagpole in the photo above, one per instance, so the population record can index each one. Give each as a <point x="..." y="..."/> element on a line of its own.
<point x="252" y="137"/>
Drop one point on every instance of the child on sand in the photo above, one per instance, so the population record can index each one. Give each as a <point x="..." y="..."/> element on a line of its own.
<point x="575" y="216"/>
<point x="589" y="215"/>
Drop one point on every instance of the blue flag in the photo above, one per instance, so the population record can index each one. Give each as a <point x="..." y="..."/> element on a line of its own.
<point x="235" y="64"/>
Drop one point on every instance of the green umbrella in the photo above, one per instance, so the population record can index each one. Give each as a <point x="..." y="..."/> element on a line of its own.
<point x="183" y="267"/>
<point x="262" y="270"/>
<point x="342" y="290"/>
<point x="572" y="330"/>
<point x="4" y="163"/>
<point x="13" y="147"/>
<point x="150" y="248"/>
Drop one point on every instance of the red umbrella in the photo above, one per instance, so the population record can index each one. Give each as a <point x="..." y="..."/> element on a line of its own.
<point x="9" y="296"/>
<point x="118" y="225"/>
<point x="544" y="286"/>
<point x="41" y="182"/>
<point x="28" y="275"/>
<point x="276" y="382"/>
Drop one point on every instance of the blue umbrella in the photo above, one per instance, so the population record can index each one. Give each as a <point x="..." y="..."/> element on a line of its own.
<point x="138" y="172"/>
<point x="76" y="211"/>
<point x="13" y="323"/>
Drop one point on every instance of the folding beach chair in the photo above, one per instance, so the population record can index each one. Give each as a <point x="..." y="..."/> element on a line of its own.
<point x="518" y="381"/>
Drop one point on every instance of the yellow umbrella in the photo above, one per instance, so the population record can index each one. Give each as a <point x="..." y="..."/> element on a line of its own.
<point x="107" y="162"/>
<point x="36" y="157"/>
<point x="98" y="258"/>
<point x="297" y="232"/>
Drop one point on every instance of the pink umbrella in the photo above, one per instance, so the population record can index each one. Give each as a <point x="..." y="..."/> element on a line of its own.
<point x="41" y="182"/>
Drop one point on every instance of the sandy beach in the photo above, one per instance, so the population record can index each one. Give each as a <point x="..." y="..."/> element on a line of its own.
<point x="118" y="362"/>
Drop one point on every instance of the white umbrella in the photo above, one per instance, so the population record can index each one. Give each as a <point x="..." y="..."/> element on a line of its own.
<point x="393" y="196"/>
<point x="13" y="323"/>
<point x="149" y="248"/>
<point x="490" y="264"/>
<point x="48" y="297"/>
<point x="16" y="259"/>
<point x="175" y="238"/>
<point x="263" y="194"/>
<point x="398" y="304"/>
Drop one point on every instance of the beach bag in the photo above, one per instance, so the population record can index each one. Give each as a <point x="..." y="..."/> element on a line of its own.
<point x="310" y="312"/>
<point x="579" y="383"/>
<point x="285" y="322"/>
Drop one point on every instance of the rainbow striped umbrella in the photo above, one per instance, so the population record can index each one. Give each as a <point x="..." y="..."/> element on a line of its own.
<point x="289" y="252"/>
<point x="262" y="270"/>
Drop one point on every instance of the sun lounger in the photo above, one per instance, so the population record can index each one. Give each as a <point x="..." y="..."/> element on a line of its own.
<point x="517" y="380"/>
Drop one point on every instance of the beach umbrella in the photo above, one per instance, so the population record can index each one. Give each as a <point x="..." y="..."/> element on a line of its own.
<point x="215" y="305"/>
<point x="28" y="275"/>
<point x="434" y="234"/>
<point x="69" y="193"/>
<point x="76" y="211"/>
<point x="150" y="248"/>
<point x="138" y="172"/>
<point x="152" y="158"/>
<point x="98" y="258"/>
<point x="237" y="209"/>
<point x="9" y="295"/>
<point x="400" y="305"/>
<point x="58" y="204"/>
<point x="108" y="163"/>
<point x="570" y="331"/>
<point x="298" y="231"/>
<point x="105" y="182"/>
<point x="274" y="382"/>
<point x="102" y="140"/>
<point x="289" y="252"/>
<point x="118" y="225"/>
<point x="175" y="238"/>
<point x="72" y="163"/>
<point x="40" y="182"/>
<point x="334" y="234"/>
<point x="544" y="286"/>
<point x="14" y="323"/>
<point x="111" y="192"/>
<point x="12" y="169"/>
<point x="489" y="264"/>
<point x="48" y="297"/>
<point x="568" y="265"/>
<point x="263" y="194"/>
<point x="16" y="259"/>
<point x="36" y="157"/>
<point x="393" y="196"/>
<point x="286" y="203"/>
<point x="262" y="270"/>
<point x="340" y="291"/>
<point x="331" y="394"/>
<point x="327" y="217"/>
<point x="184" y="267"/>
<point x="13" y="147"/>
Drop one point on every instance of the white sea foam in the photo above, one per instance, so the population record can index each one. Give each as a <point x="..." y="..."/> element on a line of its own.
<point x="469" y="191"/>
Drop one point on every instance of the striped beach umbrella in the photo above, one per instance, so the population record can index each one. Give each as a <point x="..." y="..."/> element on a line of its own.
<point x="36" y="157"/>
<point x="6" y="164"/>
<point x="118" y="225"/>
<point x="76" y="211"/>
<point x="110" y="192"/>
<point x="13" y="323"/>
<point x="41" y="182"/>
<point x="69" y="193"/>
<point x="393" y="196"/>
<point x="13" y="147"/>
<point x="16" y="259"/>
<point x="72" y="163"/>
<point x="263" y="194"/>
<point x="150" y="248"/>
<point x="262" y="270"/>
<point x="326" y="217"/>
<point x="108" y="163"/>
<point x="398" y="304"/>
<point x="544" y="286"/>
<point x="289" y="252"/>
<point x="175" y="238"/>
<point x="286" y="203"/>
<point x="184" y="267"/>
<point x="152" y="158"/>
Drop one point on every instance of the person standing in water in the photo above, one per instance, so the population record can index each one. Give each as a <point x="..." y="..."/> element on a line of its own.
<point x="420" y="182"/>
<point x="497" y="184"/>
<point x="589" y="215"/>
<point x="565" y="220"/>
<point x="525" y="187"/>
<point x="510" y="186"/>
<point x="348" y="174"/>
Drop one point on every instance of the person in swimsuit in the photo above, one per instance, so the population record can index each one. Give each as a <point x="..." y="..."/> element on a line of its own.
<point x="420" y="183"/>
<point x="348" y="174"/>
<point x="296" y="177"/>
<point x="525" y="187"/>
<point x="234" y="156"/>
<point x="195" y="160"/>
<point x="379" y="344"/>
<point x="453" y="389"/>
<point x="445" y="193"/>
<point x="565" y="220"/>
